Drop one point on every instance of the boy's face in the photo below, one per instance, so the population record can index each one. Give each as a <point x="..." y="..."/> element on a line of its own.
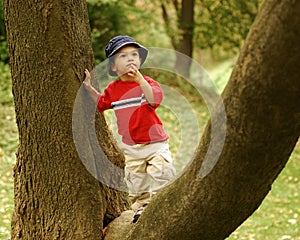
<point x="125" y="57"/>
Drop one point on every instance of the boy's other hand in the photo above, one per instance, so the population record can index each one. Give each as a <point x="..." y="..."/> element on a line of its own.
<point x="88" y="86"/>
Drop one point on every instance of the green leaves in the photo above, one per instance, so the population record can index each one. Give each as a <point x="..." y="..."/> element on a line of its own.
<point x="111" y="18"/>
<point x="224" y="24"/>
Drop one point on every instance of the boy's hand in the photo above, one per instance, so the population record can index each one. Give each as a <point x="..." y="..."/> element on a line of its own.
<point x="88" y="86"/>
<point x="135" y="74"/>
<point x="87" y="80"/>
<point x="145" y="86"/>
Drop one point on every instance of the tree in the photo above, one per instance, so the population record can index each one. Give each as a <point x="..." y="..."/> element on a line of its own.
<point x="55" y="198"/>
<point x="182" y="39"/>
<point x="262" y="129"/>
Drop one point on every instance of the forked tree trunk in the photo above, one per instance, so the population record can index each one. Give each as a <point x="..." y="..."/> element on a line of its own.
<point x="55" y="196"/>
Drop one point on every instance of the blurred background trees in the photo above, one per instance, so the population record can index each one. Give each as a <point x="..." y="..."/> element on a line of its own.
<point x="218" y="26"/>
<point x="192" y="27"/>
<point x="189" y="26"/>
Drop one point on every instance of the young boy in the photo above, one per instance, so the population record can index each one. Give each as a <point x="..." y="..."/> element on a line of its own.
<point x="134" y="98"/>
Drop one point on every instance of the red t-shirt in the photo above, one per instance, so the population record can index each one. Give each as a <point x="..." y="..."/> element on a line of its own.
<point x="137" y="120"/>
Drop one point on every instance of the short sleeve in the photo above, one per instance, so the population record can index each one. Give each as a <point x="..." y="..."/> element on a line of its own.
<point x="104" y="101"/>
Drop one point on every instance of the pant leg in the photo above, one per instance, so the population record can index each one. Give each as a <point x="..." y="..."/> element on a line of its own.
<point x="138" y="183"/>
<point x="160" y="168"/>
<point x="137" y="179"/>
<point x="144" y="162"/>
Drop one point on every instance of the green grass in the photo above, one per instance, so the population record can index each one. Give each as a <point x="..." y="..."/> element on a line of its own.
<point x="8" y="146"/>
<point x="279" y="215"/>
<point x="276" y="219"/>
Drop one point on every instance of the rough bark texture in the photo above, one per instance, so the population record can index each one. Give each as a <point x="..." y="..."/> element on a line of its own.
<point x="55" y="196"/>
<point x="263" y="125"/>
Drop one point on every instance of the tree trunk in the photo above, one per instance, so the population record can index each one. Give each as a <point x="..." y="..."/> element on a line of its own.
<point x="55" y="196"/>
<point x="262" y="108"/>
<point x="186" y="31"/>
<point x="182" y="36"/>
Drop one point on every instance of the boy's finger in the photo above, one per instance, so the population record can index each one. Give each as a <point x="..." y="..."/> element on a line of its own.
<point x="133" y="67"/>
<point x="132" y="72"/>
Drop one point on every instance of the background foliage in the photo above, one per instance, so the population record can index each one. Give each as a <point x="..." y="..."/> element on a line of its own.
<point x="219" y="26"/>
<point x="3" y="42"/>
<point x="224" y="25"/>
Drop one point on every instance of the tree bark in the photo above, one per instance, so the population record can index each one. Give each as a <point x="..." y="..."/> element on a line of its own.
<point x="262" y="107"/>
<point x="182" y="36"/>
<point x="55" y="196"/>
<point x="186" y="32"/>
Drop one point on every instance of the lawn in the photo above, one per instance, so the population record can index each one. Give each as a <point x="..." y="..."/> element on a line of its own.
<point x="276" y="219"/>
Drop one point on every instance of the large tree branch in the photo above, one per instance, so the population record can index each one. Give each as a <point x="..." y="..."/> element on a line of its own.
<point x="263" y="126"/>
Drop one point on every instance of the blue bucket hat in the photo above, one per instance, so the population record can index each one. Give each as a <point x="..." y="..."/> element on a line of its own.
<point x="116" y="43"/>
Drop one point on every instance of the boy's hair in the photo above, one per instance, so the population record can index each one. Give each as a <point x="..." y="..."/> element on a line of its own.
<point x="118" y="42"/>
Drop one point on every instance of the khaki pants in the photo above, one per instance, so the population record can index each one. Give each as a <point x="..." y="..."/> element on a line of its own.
<point x="148" y="168"/>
